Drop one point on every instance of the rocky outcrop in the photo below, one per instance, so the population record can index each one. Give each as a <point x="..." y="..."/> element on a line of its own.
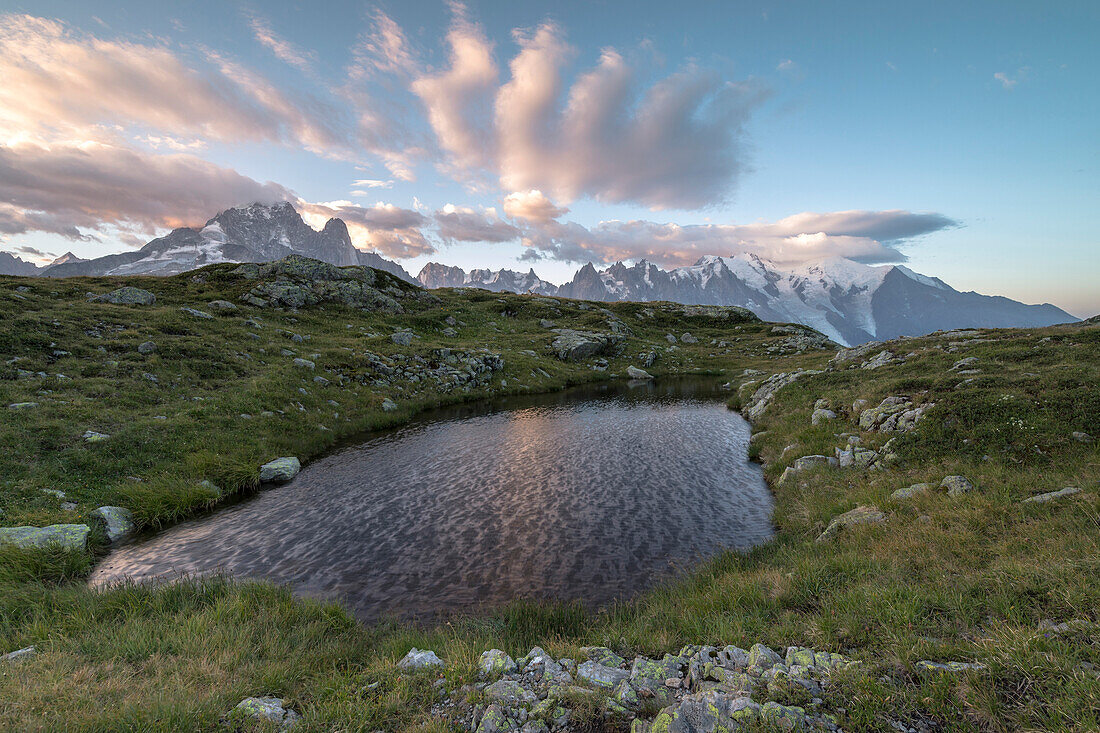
<point x="893" y="414"/>
<point x="118" y="522"/>
<point x="299" y="282"/>
<point x="700" y="688"/>
<point x="756" y="405"/>
<point x="126" y="296"/>
<point x="571" y="345"/>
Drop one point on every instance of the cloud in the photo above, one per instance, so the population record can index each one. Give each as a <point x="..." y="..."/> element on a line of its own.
<point x="283" y="49"/>
<point x="456" y="99"/>
<point x="74" y="189"/>
<point x="371" y="183"/>
<point x="532" y="206"/>
<point x="864" y="236"/>
<point x="382" y="50"/>
<point x="60" y="85"/>
<point x="786" y="65"/>
<point x="468" y="225"/>
<point x="1009" y="81"/>
<point x="386" y="228"/>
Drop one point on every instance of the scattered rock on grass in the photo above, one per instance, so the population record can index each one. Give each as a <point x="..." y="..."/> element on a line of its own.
<point x="118" y="520"/>
<point x="495" y="662"/>
<point x="91" y="436"/>
<point x="126" y="296"/>
<point x="263" y="710"/>
<point x="1052" y="495"/>
<point x="196" y="313"/>
<point x="909" y="492"/>
<point x="65" y="536"/>
<point x="419" y="659"/>
<point x="18" y="655"/>
<point x="635" y="373"/>
<point x="956" y="485"/>
<point x="821" y="415"/>
<point x="934" y="668"/>
<point x="855" y="517"/>
<point x="280" y="470"/>
<point x="146" y="347"/>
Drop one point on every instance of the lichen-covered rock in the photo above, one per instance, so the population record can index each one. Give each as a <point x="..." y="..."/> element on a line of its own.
<point x="956" y="485"/>
<point x="893" y="414"/>
<point x="603" y="655"/>
<point x="784" y="717"/>
<point x="127" y="296"/>
<point x="297" y="282"/>
<point x="571" y="345"/>
<point x="706" y="712"/>
<point x="510" y="694"/>
<point x="763" y="657"/>
<point x="1052" y="495"/>
<point x="196" y="313"/>
<point x="223" y="306"/>
<point x="118" y="522"/>
<point x="269" y="710"/>
<point x="880" y="359"/>
<point x="858" y="516"/>
<point x="304" y="364"/>
<point x="280" y="470"/>
<point x="635" y="373"/>
<point x="403" y="338"/>
<point x="846" y="356"/>
<point x="598" y="675"/>
<point x="146" y="347"/>
<point x="935" y="668"/>
<point x="22" y="405"/>
<point x="66" y="536"/>
<point x="910" y="491"/>
<point x="420" y="659"/>
<point x="495" y="721"/>
<point x="756" y="405"/>
<point x="494" y="662"/>
<point x="821" y="415"/>
<point x="91" y="436"/>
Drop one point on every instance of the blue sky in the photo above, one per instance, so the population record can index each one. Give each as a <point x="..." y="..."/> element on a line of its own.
<point x="964" y="137"/>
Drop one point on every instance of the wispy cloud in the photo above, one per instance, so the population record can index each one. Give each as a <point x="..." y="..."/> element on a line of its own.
<point x="282" y="48"/>
<point x="1009" y="81"/>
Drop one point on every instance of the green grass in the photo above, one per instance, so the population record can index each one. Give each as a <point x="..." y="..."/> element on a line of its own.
<point x="945" y="578"/>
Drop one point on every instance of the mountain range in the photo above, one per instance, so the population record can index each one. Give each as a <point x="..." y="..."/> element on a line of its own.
<point x="848" y="301"/>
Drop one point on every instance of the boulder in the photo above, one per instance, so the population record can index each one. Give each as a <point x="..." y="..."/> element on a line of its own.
<point x="756" y="405"/>
<point x="956" y="485"/>
<point x="265" y="711"/>
<point x="223" y="306"/>
<point x="420" y="659"/>
<point x="146" y="347"/>
<point x="855" y="517"/>
<point x="304" y="364"/>
<point x="706" y="712"/>
<point x="598" y="675"/>
<point x="495" y="662"/>
<point x="893" y="414"/>
<point x="821" y="415"/>
<point x="603" y="655"/>
<point x="763" y="657"/>
<point x="403" y="338"/>
<point x="1052" y="495"/>
<point x="571" y="345"/>
<point x="1082" y="437"/>
<point x="65" y="536"/>
<point x="880" y="359"/>
<point x="22" y="405"/>
<point x="687" y="338"/>
<point x="635" y="373"/>
<point x="510" y="694"/>
<point x="280" y="470"/>
<point x="91" y="436"/>
<point x="118" y="521"/>
<point x="909" y="492"/>
<point x="127" y="296"/>
<point x="196" y="313"/>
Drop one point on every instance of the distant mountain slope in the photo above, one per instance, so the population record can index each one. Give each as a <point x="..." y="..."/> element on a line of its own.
<point x="848" y="301"/>
<point x="255" y="233"/>
<point x="12" y="265"/>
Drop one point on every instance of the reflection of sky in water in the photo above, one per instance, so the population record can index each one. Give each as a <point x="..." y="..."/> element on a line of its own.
<point x="555" y="497"/>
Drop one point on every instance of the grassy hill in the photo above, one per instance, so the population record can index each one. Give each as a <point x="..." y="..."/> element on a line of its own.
<point x="300" y="356"/>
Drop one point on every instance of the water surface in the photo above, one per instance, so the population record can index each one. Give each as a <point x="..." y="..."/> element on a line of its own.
<point x="592" y="494"/>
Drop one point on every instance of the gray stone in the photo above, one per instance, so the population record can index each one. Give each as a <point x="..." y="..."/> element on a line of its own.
<point x="762" y="657"/>
<point x="420" y="659"/>
<point x="821" y="415"/>
<point x="571" y="345"/>
<point x="22" y="405"/>
<point x="304" y="363"/>
<point x="91" y="436"/>
<point x="403" y="338"/>
<point x="265" y="710"/>
<point x="388" y="405"/>
<point x="495" y="721"/>
<point x="880" y="359"/>
<point x="603" y="655"/>
<point x="545" y="323"/>
<point x="597" y="675"/>
<point x="935" y="668"/>
<point x="858" y="516"/>
<point x="495" y="662"/>
<point x="280" y="470"/>
<point x="510" y="694"/>
<point x="146" y="347"/>
<point x="707" y="712"/>
<point x="65" y="536"/>
<point x="1082" y="437"/>
<point x="118" y="520"/>
<point x="784" y="717"/>
<point x="127" y="296"/>
<point x="222" y="305"/>
<point x="18" y="655"/>
<point x="909" y="492"/>
<point x="805" y="462"/>
<point x="756" y="405"/>
<point x="963" y="363"/>
<point x="1052" y="495"/>
<point x="687" y="338"/>
<point x="635" y="373"/>
<point x="956" y="485"/>
<point x="196" y="313"/>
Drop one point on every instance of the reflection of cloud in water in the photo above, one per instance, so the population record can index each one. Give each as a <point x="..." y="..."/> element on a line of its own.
<point x="564" y="498"/>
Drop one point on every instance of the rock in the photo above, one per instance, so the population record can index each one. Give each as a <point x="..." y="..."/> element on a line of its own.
<point x="304" y="363"/>
<point x="956" y="485"/>
<point x="146" y="347"/>
<point x="510" y="694"/>
<point x="687" y="338"/>
<point x="118" y="520"/>
<point x="784" y="717"/>
<point x="495" y="721"/>
<point x="495" y="662"/>
<point x="573" y="345"/>
<point x="893" y="414"/>
<point x="821" y="415"/>
<point x="196" y="313"/>
<point x="670" y="338"/>
<point x="845" y="356"/>
<point x="756" y="405"/>
<point x="22" y="405"/>
<point x="265" y="710"/>
<point x="762" y="657"/>
<point x="880" y="359"/>
<point x="855" y="517"/>
<point x="805" y="462"/>
<point x="223" y="306"/>
<point x="935" y="668"/>
<point x="296" y="282"/>
<point x="635" y="373"/>
<point x="603" y="655"/>
<point x="1081" y="437"/>
<point x="963" y="363"/>
<point x="403" y="338"/>
<point x="420" y="659"/>
<point x="127" y="296"/>
<point x="388" y="405"/>
<point x="91" y="436"/>
<point x="543" y="323"/>
<point x="706" y="712"/>
<point x="65" y="536"/>
<point x="597" y="675"/>
<point x="1051" y="495"/>
<point x="280" y="470"/>
<point x="18" y="655"/>
<point x="909" y="492"/>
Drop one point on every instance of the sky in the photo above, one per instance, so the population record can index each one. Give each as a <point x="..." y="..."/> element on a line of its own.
<point x="962" y="139"/>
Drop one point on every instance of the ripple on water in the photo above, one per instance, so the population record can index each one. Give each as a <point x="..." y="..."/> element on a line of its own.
<point x="591" y="495"/>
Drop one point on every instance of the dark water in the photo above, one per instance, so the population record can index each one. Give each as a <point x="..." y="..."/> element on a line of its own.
<point x="591" y="494"/>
